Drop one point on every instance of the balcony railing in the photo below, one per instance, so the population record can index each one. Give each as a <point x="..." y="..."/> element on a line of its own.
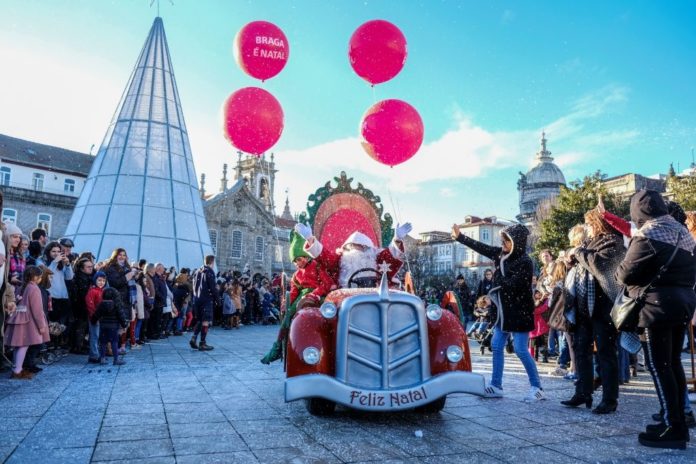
<point x="44" y="189"/>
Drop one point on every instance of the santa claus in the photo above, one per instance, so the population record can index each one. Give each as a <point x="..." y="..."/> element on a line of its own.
<point x="357" y="252"/>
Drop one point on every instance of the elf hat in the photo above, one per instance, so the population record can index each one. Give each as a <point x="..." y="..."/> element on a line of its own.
<point x="297" y="246"/>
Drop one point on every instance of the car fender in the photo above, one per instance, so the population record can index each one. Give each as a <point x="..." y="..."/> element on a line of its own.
<point x="443" y="333"/>
<point x="310" y="328"/>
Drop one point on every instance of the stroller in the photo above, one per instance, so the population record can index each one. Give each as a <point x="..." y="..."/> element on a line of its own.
<point x="484" y="337"/>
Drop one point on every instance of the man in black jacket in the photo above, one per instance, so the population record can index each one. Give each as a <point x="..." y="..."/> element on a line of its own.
<point x="204" y="296"/>
<point x="512" y="295"/>
<point x="669" y="305"/>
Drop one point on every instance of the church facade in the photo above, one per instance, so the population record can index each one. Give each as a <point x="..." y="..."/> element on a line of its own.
<point x="244" y="231"/>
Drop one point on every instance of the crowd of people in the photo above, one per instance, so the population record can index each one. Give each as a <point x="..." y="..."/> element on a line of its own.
<point x="56" y="299"/>
<point x="57" y="302"/>
<point x="565" y="310"/>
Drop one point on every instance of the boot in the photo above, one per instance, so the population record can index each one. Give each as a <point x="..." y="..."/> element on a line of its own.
<point x="193" y="343"/>
<point x="274" y="354"/>
<point x="204" y="347"/>
<point x="674" y="437"/>
<point x="604" y="408"/>
<point x="577" y="400"/>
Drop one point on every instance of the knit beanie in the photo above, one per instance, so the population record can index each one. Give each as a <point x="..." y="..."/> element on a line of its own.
<point x="12" y="229"/>
<point x="97" y="275"/>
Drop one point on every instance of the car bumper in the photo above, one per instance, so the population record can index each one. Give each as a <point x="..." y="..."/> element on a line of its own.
<point x="324" y="386"/>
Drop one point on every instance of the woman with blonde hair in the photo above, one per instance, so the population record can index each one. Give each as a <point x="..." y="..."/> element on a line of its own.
<point x="596" y="289"/>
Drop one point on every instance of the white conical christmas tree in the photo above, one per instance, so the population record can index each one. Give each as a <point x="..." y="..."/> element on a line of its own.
<point x="142" y="192"/>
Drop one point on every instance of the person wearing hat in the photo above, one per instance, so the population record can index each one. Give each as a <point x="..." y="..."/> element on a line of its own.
<point x="308" y="286"/>
<point x="92" y="300"/>
<point x="357" y="252"/>
<point x="66" y="246"/>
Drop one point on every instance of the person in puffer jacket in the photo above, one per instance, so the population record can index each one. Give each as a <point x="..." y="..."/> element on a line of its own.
<point x="669" y="305"/>
<point x="512" y="295"/>
<point x="110" y="316"/>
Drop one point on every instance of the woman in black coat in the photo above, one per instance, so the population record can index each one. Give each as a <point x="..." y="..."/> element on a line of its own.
<point x="669" y="305"/>
<point x="512" y="295"/>
<point x="80" y="285"/>
<point x="596" y="290"/>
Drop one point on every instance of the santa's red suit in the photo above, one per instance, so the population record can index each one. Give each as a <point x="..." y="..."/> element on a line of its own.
<point x="342" y="263"/>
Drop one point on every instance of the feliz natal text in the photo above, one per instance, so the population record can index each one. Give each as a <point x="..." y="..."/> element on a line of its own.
<point x="265" y="53"/>
<point x="394" y="399"/>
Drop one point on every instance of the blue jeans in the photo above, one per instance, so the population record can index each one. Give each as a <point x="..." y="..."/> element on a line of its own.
<point x="138" y="327"/>
<point x="520" y="341"/>
<point x="94" y="340"/>
<point x="480" y="326"/>
<point x="564" y="357"/>
<point x="553" y="338"/>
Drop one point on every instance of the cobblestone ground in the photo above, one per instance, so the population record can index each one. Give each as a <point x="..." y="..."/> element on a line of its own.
<point x="172" y="404"/>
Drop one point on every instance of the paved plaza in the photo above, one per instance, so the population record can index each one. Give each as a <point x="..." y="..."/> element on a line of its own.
<point x="171" y="404"/>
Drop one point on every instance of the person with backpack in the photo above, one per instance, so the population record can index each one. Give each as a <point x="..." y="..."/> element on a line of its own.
<point x="204" y="296"/>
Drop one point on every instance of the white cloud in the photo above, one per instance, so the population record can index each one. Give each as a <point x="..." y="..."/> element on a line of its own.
<point x="469" y="150"/>
<point x="447" y="192"/>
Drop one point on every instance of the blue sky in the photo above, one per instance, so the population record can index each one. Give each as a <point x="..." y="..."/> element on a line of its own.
<point x="610" y="82"/>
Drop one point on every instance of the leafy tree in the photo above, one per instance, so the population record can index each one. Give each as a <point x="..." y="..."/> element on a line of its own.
<point x="569" y="209"/>
<point x="684" y="190"/>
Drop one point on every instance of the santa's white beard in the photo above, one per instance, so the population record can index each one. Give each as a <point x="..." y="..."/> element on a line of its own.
<point x="353" y="260"/>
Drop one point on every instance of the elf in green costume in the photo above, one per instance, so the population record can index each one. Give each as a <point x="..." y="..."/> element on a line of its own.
<point x="309" y="285"/>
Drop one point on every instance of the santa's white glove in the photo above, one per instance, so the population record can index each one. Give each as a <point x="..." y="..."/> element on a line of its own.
<point x="303" y="230"/>
<point x="402" y="231"/>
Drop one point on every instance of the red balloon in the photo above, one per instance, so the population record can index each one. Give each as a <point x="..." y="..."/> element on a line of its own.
<point x="392" y="131"/>
<point x="253" y="120"/>
<point x="261" y="49"/>
<point x="377" y="51"/>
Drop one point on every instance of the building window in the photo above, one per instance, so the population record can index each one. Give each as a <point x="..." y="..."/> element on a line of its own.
<point x="37" y="182"/>
<point x="485" y="236"/>
<point x="43" y="221"/>
<point x="5" y="174"/>
<point x="465" y="255"/>
<point x="9" y="215"/>
<point x="236" y="244"/>
<point x="69" y="186"/>
<point x="258" y="255"/>
<point x="213" y="240"/>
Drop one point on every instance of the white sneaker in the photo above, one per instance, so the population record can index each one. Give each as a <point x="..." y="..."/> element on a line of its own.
<point x="493" y="392"/>
<point x="535" y="394"/>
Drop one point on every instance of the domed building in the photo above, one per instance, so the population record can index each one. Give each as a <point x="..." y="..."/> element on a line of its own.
<point x="541" y="183"/>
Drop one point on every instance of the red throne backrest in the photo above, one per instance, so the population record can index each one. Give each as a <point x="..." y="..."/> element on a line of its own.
<point x="342" y="214"/>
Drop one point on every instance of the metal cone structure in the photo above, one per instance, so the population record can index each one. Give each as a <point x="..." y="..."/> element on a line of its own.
<point x="142" y="192"/>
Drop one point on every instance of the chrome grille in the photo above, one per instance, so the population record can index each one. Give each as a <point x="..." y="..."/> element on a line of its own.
<point x="382" y="343"/>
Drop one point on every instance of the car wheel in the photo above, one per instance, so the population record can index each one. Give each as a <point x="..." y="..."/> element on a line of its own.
<point x="320" y="406"/>
<point x="432" y="407"/>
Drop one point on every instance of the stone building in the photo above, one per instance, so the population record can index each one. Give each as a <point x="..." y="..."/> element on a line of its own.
<point x="627" y="184"/>
<point x="446" y="256"/>
<point x="540" y="184"/>
<point x="40" y="184"/>
<point x="243" y="228"/>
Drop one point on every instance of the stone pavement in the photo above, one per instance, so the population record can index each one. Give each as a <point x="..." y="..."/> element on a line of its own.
<point x="172" y="404"/>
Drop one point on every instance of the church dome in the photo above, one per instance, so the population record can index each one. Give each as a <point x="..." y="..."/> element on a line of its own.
<point x="546" y="172"/>
<point x="541" y="183"/>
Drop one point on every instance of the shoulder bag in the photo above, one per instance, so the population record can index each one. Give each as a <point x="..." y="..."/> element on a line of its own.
<point x="626" y="310"/>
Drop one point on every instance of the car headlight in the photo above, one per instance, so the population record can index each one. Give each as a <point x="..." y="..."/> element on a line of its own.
<point x="328" y="310"/>
<point x="454" y="353"/>
<point x="433" y="312"/>
<point x="311" y="355"/>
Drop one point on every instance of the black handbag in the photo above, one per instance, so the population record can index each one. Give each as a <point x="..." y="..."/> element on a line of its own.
<point x="625" y="313"/>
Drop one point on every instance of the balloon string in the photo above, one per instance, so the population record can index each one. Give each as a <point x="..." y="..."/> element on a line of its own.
<point x="374" y="96"/>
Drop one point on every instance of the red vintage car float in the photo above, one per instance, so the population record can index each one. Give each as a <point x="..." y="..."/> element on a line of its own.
<point x="376" y="348"/>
